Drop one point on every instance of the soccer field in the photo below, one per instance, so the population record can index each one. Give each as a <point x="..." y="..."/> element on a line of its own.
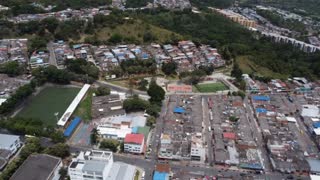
<point x="49" y="101"/>
<point x="211" y="87"/>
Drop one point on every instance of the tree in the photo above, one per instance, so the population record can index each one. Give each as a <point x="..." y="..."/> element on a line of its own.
<point x="242" y="85"/>
<point x="60" y="150"/>
<point x="143" y="84"/>
<point x="169" y="68"/>
<point x="151" y="121"/>
<point x="102" y="91"/>
<point x="134" y="103"/>
<point x="193" y="77"/>
<point x="115" y="38"/>
<point x="81" y="66"/>
<point x="37" y="43"/>
<point x="32" y="146"/>
<point x="57" y="137"/>
<point x="233" y="118"/>
<point x="50" y="24"/>
<point x="149" y="37"/>
<point x="207" y="69"/>
<point x="153" y="110"/>
<point x="94" y="136"/>
<point x="12" y="68"/>
<point x="155" y="92"/>
<point x="236" y="72"/>
<point x="63" y="172"/>
<point x="110" y="144"/>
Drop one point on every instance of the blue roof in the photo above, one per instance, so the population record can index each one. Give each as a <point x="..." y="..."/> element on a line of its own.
<point x="254" y="166"/>
<point x="316" y="125"/>
<point x="135" y="130"/>
<point x="160" y="175"/>
<point x="261" y="110"/>
<point x="76" y="46"/>
<point x="74" y="123"/>
<point x="179" y="110"/>
<point x="261" y="98"/>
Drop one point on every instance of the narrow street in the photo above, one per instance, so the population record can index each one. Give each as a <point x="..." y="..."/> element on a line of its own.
<point x="258" y="135"/>
<point x="52" y="58"/>
<point x="207" y="130"/>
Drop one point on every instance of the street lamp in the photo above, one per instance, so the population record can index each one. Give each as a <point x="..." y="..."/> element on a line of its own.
<point x="56" y="115"/>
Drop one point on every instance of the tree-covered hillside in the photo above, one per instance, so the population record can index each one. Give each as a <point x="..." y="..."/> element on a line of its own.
<point x="25" y="7"/>
<point x="213" y="29"/>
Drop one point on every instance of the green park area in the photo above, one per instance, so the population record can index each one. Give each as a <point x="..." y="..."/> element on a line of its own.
<point x="49" y="101"/>
<point x="211" y="87"/>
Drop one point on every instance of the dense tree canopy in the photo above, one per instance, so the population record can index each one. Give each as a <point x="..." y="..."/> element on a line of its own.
<point x="155" y="92"/>
<point x="12" y="68"/>
<point x="134" y="103"/>
<point x="81" y="66"/>
<point x="110" y="144"/>
<point x="169" y="68"/>
<point x="102" y="91"/>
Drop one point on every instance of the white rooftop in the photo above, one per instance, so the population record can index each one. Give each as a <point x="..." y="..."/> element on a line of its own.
<point x="7" y="140"/>
<point x="119" y="133"/>
<point x="310" y="111"/>
<point x="65" y="117"/>
<point x="2" y="101"/>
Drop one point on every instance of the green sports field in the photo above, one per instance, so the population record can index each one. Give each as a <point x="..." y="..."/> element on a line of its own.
<point x="211" y="87"/>
<point x="49" y="101"/>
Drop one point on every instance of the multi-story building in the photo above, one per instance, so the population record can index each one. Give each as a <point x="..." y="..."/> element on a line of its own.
<point x="39" y="167"/>
<point x="10" y="143"/>
<point x="99" y="165"/>
<point x="134" y="143"/>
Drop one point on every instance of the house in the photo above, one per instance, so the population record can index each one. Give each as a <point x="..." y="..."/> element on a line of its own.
<point x="197" y="151"/>
<point x="39" y="167"/>
<point x="134" y="143"/>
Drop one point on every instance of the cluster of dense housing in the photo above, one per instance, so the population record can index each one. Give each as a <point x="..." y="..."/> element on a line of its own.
<point x="232" y="136"/>
<point x="13" y="50"/>
<point x="61" y="15"/>
<point x="186" y="54"/>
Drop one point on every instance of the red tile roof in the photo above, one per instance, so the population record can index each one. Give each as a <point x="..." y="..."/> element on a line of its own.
<point x="229" y="135"/>
<point x="134" y="138"/>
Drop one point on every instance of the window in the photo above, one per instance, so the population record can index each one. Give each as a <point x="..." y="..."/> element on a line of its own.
<point x="86" y="176"/>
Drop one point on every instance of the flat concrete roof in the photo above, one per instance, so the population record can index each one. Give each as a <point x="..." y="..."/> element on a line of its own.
<point x="36" y="167"/>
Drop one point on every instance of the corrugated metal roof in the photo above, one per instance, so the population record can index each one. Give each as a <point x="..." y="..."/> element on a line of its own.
<point x="160" y="176"/>
<point x="75" y="122"/>
<point x="261" y="98"/>
<point x="134" y="138"/>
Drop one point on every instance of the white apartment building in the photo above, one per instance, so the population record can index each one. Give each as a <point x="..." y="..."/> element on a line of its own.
<point x="10" y="143"/>
<point x="99" y="165"/>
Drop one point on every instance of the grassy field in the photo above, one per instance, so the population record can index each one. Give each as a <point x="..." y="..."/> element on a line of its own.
<point x="211" y="87"/>
<point x="249" y="67"/>
<point x="49" y="101"/>
<point x="136" y="31"/>
<point x="84" y="108"/>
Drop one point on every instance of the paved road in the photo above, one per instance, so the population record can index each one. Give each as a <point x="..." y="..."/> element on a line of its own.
<point x="120" y="88"/>
<point x="176" y="167"/>
<point x="207" y="133"/>
<point x="52" y="58"/>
